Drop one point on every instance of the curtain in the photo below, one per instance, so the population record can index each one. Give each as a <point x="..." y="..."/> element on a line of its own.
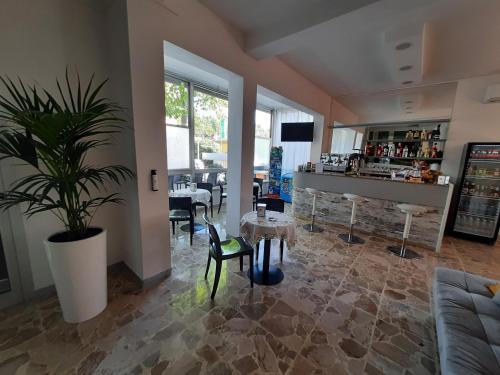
<point x="294" y="153"/>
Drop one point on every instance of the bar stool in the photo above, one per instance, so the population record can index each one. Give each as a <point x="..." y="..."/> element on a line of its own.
<point x="348" y="237"/>
<point x="409" y="210"/>
<point x="312" y="227"/>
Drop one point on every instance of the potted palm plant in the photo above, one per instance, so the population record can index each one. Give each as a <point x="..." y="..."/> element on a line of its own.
<point x="53" y="134"/>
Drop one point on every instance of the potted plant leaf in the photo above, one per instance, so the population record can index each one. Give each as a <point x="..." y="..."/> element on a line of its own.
<point x="54" y="133"/>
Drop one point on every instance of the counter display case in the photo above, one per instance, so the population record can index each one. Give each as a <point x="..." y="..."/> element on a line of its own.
<point x="477" y="215"/>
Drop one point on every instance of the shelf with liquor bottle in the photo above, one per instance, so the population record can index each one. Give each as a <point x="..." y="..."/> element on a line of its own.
<point x="478" y="211"/>
<point x="414" y="141"/>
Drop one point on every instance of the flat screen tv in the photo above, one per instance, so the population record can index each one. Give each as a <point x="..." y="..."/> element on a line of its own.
<point x="297" y="131"/>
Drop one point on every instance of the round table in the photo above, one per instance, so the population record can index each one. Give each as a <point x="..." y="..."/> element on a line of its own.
<point x="274" y="225"/>
<point x="199" y="195"/>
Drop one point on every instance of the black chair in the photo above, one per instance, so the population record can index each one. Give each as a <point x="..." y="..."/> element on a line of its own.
<point x="260" y="181"/>
<point x="255" y="196"/>
<point x="171" y="183"/>
<point x="222" y="196"/>
<point x="181" y="210"/>
<point x="179" y="180"/>
<point x="209" y="187"/>
<point x="234" y="248"/>
<point x="212" y="178"/>
<point x="272" y="204"/>
<point x="198" y="177"/>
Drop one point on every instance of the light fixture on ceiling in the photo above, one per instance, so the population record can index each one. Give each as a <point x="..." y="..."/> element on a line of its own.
<point x="403" y="46"/>
<point x="409" y="112"/>
<point x="408" y="107"/>
<point x="409" y="102"/>
<point x="407" y="82"/>
<point x="406" y="67"/>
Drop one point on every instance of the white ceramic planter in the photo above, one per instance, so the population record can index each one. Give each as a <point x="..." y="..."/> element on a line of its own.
<point x="79" y="272"/>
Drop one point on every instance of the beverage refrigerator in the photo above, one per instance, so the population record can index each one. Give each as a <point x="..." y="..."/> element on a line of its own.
<point x="478" y="210"/>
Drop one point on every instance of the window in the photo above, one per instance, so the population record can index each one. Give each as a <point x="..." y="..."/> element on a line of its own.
<point x="344" y="140"/>
<point x="262" y="139"/>
<point x="177" y="122"/>
<point x="210" y="130"/>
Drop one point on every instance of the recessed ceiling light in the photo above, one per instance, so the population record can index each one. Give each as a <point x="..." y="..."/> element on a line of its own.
<point x="409" y="102"/>
<point x="406" y="67"/>
<point x="409" y="112"/>
<point x="407" y="82"/>
<point x="402" y="46"/>
<point x="408" y="107"/>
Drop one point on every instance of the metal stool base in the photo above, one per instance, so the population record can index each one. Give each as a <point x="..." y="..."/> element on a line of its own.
<point x="407" y="253"/>
<point x="312" y="228"/>
<point x="354" y="239"/>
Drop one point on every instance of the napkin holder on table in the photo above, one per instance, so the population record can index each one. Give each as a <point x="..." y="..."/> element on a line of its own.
<point x="261" y="209"/>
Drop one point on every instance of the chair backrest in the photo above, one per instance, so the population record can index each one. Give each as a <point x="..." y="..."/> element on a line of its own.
<point x="198" y="177"/>
<point x="256" y="192"/>
<point x="221" y="187"/>
<point x="207" y="186"/>
<point x="273" y="204"/>
<point x="260" y="181"/>
<point x="214" y="240"/>
<point x="180" y="203"/>
<point x="212" y="178"/>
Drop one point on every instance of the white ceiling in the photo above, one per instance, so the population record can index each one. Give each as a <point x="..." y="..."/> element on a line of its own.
<point x="428" y="102"/>
<point x="347" y="46"/>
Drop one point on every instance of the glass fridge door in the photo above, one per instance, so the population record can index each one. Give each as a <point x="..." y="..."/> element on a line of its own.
<point x="479" y="204"/>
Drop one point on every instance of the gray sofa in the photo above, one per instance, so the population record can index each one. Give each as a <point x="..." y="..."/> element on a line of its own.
<point x="467" y="324"/>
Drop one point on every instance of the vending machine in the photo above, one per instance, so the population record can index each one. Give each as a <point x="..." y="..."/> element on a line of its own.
<point x="478" y="210"/>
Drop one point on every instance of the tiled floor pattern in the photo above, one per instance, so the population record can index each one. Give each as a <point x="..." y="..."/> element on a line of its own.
<point x="339" y="310"/>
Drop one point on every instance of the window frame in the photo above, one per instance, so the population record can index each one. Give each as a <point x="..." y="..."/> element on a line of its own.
<point x="262" y="108"/>
<point x="192" y="86"/>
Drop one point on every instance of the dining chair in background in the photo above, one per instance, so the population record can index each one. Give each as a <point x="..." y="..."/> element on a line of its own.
<point x="260" y="181"/>
<point x="255" y="197"/>
<point x="181" y="209"/>
<point x="272" y="204"/>
<point x="221" y="197"/>
<point x="206" y="186"/>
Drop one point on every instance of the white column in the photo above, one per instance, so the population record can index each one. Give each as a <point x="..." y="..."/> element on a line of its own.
<point x="241" y="135"/>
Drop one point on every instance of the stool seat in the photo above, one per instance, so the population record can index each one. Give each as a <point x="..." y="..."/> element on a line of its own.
<point x="411" y="209"/>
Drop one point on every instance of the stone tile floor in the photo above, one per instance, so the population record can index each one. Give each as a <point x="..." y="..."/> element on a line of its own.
<point x="339" y="310"/>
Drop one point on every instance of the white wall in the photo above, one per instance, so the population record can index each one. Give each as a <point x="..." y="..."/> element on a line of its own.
<point x="471" y="120"/>
<point x="39" y="39"/>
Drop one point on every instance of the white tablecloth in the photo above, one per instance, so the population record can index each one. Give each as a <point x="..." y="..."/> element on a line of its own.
<point x="274" y="225"/>
<point x="200" y="195"/>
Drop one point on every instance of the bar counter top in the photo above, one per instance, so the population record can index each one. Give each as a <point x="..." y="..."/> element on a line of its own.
<point x="380" y="214"/>
<point x="372" y="187"/>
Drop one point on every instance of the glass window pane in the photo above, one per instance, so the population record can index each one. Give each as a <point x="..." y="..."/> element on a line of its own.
<point x="177" y="147"/>
<point x="210" y="131"/>
<point x="262" y="124"/>
<point x="176" y="103"/>
<point x="261" y="156"/>
<point x="343" y="141"/>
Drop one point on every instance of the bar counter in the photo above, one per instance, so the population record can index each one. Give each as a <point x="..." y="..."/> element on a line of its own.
<point x="379" y="215"/>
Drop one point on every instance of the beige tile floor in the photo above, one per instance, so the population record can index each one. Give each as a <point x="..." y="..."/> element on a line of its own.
<point x="339" y="310"/>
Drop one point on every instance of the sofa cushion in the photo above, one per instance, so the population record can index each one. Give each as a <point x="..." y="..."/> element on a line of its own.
<point x="467" y="323"/>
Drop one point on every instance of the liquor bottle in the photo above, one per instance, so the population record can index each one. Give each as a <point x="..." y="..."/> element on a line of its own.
<point x="416" y="135"/>
<point x="419" y="152"/>
<point x="405" y="152"/>
<point x="465" y="187"/>
<point x="434" y="151"/>
<point x="391" y="150"/>
<point x="386" y="150"/>
<point x="436" y="134"/>
<point x="423" y="135"/>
